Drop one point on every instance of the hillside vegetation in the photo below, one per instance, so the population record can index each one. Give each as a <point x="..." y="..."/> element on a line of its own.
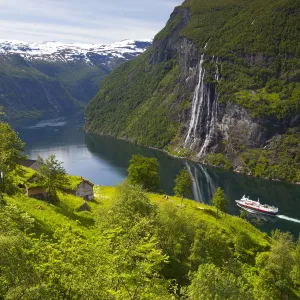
<point x="255" y="48"/>
<point x="132" y="245"/>
<point x="258" y="44"/>
<point x="129" y="244"/>
<point x="25" y="91"/>
<point x="54" y="79"/>
<point x="120" y="108"/>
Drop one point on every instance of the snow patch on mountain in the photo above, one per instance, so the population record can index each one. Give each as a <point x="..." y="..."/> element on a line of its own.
<point x="56" y="51"/>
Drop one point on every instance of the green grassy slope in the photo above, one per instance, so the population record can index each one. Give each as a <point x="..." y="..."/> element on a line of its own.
<point x="49" y="217"/>
<point x="135" y="242"/>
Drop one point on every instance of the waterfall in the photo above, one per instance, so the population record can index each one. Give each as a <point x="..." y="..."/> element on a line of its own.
<point x="204" y="113"/>
<point x="197" y="104"/>
<point x="212" y="111"/>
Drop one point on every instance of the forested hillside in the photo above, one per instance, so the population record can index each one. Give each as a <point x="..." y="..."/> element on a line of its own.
<point x="220" y="84"/>
<point x="129" y="244"/>
<point x="53" y="78"/>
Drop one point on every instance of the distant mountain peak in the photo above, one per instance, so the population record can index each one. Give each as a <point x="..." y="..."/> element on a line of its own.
<point x="68" y="52"/>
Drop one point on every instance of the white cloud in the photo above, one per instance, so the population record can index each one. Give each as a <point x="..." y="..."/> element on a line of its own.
<point x="83" y="21"/>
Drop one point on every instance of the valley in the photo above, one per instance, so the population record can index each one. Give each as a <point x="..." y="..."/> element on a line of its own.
<point x="99" y="159"/>
<point x="56" y="79"/>
<point x="225" y="93"/>
<point x="127" y="169"/>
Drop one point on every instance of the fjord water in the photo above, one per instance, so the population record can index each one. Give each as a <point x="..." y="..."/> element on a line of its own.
<point x="104" y="160"/>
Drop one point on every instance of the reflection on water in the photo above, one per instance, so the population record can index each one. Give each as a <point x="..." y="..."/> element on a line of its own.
<point x="49" y="123"/>
<point x="104" y="160"/>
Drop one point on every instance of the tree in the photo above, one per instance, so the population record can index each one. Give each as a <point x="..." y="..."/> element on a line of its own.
<point x="275" y="278"/>
<point x="183" y="184"/>
<point x="54" y="173"/>
<point x="129" y="242"/>
<point x="143" y="171"/>
<point x="11" y="152"/>
<point x="296" y="269"/>
<point x="211" y="282"/>
<point x="220" y="200"/>
<point x="11" y="148"/>
<point x="276" y="269"/>
<point x="129" y="205"/>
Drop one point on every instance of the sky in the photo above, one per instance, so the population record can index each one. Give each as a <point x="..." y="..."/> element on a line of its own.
<point x="83" y="21"/>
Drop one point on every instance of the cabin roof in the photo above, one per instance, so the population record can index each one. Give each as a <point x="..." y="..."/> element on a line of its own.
<point x="27" y="162"/>
<point x="75" y="181"/>
<point x="29" y="177"/>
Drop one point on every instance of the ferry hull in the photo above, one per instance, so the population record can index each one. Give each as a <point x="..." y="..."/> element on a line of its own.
<point x="254" y="209"/>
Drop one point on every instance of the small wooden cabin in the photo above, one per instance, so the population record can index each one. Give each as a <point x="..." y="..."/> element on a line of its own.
<point x="81" y="187"/>
<point x="32" y="184"/>
<point x="85" y="190"/>
<point x="37" y="192"/>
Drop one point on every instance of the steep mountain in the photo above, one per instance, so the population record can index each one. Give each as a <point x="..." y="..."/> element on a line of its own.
<point x="221" y="85"/>
<point x="56" y="78"/>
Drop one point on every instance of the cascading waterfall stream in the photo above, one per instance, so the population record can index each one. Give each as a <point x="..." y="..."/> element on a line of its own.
<point x="213" y="113"/>
<point x="197" y="103"/>
<point x="204" y="113"/>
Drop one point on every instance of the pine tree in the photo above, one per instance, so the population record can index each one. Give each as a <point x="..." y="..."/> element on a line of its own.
<point x="220" y="200"/>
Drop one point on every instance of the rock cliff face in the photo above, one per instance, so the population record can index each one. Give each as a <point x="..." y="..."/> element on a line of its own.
<point x="217" y="80"/>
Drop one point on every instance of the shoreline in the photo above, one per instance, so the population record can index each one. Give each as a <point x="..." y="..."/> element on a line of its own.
<point x="191" y="160"/>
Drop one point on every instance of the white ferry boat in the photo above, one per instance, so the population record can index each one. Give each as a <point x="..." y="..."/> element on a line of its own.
<point x="256" y="206"/>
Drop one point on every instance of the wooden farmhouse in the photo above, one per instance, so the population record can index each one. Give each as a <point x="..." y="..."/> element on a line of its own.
<point x="81" y="187"/>
<point x="32" y="183"/>
<point x="37" y="192"/>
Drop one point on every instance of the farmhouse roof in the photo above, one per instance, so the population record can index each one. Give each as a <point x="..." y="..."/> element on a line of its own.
<point x="27" y="162"/>
<point x="75" y="181"/>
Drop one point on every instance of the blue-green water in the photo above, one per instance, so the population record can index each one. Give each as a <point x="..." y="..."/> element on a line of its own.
<point x="104" y="160"/>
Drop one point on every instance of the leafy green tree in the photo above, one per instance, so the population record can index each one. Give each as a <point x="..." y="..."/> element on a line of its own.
<point x="208" y="246"/>
<point x="176" y="229"/>
<point x="129" y="205"/>
<point x="220" y="200"/>
<point x="135" y="262"/>
<point x="211" y="282"/>
<point x="183" y="183"/>
<point x="16" y="268"/>
<point x="143" y="171"/>
<point x="11" y="152"/>
<point x="275" y="280"/>
<point x="134" y="257"/>
<point x="296" y="269"/>
<point x="11" y="148"/>
<point x="54" y="173"/>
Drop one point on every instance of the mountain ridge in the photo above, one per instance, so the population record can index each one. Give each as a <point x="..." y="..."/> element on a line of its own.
<point x="222" y="90"/>
<point x="67" y="52"/>
<point x="54" y="78"/>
